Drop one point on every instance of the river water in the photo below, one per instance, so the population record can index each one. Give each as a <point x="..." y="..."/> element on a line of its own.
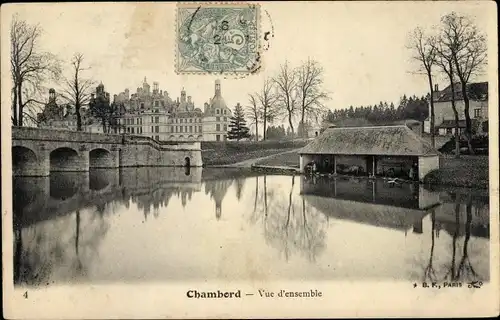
<point x="164" y="225"/>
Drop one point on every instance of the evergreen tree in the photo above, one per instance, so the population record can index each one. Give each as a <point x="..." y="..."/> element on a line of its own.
<point x="238" y="128"/>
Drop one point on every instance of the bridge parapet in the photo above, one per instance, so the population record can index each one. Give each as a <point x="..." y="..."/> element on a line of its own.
<point x="37" y="151"/>
<point x="29" y="133"/>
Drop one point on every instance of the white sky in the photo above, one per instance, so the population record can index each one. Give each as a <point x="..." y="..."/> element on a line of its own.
<point x="361" y="45"/>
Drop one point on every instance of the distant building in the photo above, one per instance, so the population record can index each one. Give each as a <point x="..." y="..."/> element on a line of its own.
<point x="216" y="117"/>
<point x="63" y="116"/>
<point x="155" y="114"/>
<point x="149" y="113"/>
<point x="444" y="116"/>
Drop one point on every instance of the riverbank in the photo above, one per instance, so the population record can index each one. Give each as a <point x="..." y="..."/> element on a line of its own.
<point x="466" y="171"/>
<point x="245" y="153"/>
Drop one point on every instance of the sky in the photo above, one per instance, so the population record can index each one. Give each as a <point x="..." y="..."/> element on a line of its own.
<point x="360" y="45"/>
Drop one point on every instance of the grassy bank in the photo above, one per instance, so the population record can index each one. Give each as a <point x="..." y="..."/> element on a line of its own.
<point x="222" y="153"/>
<point x="466" y="171"/>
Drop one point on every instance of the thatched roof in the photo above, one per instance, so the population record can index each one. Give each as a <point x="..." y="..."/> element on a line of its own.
<point x="372" y="214"/>
<point x="389" y="140"/>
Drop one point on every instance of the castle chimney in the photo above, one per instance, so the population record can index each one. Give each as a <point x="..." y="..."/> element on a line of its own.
<point x="189" y="99"/>
<point x="436" y="87"/>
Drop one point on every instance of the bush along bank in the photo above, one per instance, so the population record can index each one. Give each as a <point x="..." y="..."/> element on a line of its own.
<point x="454" y="178"/>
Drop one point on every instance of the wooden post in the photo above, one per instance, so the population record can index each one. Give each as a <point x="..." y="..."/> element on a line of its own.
<point x="373" y="166"/>
<point x="334" y="165"/>
<point x="374" y="186"/>
<point x="334" y="187"/>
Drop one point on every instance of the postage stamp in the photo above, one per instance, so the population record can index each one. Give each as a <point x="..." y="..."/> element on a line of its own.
<point x="217" y="38"/>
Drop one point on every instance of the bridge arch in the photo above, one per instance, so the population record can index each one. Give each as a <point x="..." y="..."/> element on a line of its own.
<point x="101" y="158"/>
<point x="64" y="159"/>
<point x="24" y="162"/>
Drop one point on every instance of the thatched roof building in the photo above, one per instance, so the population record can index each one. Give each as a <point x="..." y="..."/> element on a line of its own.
<point x="363" y="147"/>
<point x="391" y="140"/>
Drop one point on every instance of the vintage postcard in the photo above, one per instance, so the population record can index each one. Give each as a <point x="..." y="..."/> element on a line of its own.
<point x="333" y="159"/>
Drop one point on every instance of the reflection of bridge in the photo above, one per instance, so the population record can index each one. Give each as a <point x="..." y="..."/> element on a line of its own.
<point x="376" y="203"/>
<point x="43" y="198"/>
<point x="37" y="152"/>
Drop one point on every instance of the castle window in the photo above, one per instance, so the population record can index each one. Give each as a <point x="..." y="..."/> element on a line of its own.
<point x="217" y="111"/>
<point x="157" y="119"/>
<point x="180" y="128"/>
<point x="142" y="105"/>
<point x="217" y="127"/>
<point x="157" y="104"/>
<point x="217" y="137"/>
<point x="157" y="129"/>
<point x="225" y="118"/>
<point x="199" y="129"/>
<point x="225" y="127"/>
<point x="217" y="118"/>
<point x="477" y="113"/>
<point x="190" y="128"/>
<point x="190" y="120"/>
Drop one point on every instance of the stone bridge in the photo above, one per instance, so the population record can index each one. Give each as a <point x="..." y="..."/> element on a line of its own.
<point x="37" y="152"/>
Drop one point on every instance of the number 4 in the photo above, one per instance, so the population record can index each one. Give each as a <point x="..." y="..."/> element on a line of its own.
<point x="25" y="295"/>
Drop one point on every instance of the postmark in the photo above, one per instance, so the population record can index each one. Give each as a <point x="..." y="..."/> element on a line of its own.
<point x="217" y="38"/>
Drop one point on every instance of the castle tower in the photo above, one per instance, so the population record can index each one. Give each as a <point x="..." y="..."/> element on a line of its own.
<point x="217" y="88"/>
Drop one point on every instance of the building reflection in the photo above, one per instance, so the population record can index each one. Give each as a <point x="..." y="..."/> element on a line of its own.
<point x="373" y="202"/>
<point x="217" y="190"/>
<point x="460" y="214"/>
<point x="60" y="220"/>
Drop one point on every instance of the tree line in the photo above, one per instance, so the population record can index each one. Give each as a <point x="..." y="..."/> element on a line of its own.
<point x="32" y="69"/>
<point x="455" y="49"/>
<point x="293" y="93"/>
<point x="383" y="112"/>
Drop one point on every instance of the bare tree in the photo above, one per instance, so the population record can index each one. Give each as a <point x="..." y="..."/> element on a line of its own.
<point x="424" y="52"/>
<point x="30" y="68"/>
<point x="310" y="92"/>
<point x="444" y="61"/>
<point x="267" y="100"/>
<point x="253" y="113"/>
<point x="286" y="90"/>
<point x="76" y="89"/>
<point x="467" y="46"/>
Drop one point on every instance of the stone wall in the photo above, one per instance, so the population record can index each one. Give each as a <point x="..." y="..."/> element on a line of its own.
<point x="426" y="165"/>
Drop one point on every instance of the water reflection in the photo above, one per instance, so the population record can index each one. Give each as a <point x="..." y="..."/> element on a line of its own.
<point x="97" y="226"/>
<point x="287" y="223"/>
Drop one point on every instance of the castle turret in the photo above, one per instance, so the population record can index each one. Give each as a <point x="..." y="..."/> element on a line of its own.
<point x="183" y="95"/>
<point x="52" y="95"/>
